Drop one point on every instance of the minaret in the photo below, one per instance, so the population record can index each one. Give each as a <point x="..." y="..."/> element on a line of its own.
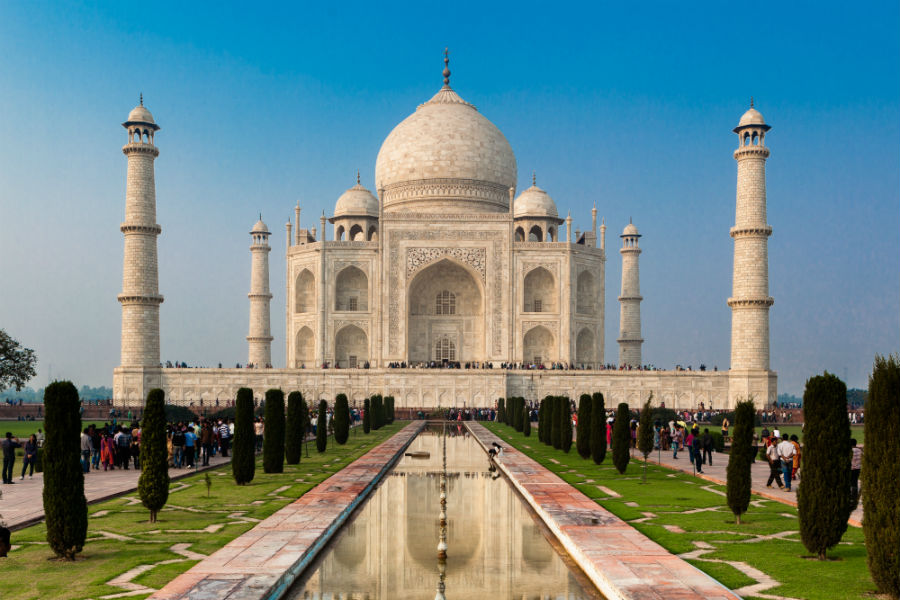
<point x="630" y="301"/>
<point x="140" y="297"/>
<point x="750" y="300"/>
<point x="259" y="342"/>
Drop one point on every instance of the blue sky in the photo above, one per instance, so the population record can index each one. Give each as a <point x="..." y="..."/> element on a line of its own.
<point x="627" y="105"/>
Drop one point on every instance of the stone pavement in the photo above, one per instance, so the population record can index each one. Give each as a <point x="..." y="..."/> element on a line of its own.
<point x="22" y="503"/>
<point x="617" y="558"/>
<point x="759" y="475"/>
<point x="266" y="560"/>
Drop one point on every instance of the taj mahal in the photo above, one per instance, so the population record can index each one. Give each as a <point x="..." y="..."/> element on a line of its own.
<point x="445" y="287"/>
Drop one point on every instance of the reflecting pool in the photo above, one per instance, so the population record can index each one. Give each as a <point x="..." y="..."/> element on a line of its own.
<point x="496" y="548"/>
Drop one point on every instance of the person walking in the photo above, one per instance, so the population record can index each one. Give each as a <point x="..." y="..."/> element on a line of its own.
<point x="9" y="445"/>
<point x="676" y="440"/>
<point x="86" y="447"/>
<point x="855" y="468"/>
<point x="206" y="442"/>
<point x="796" y="467"/>
<point x="774" y="466"/>
<point x="707" y="443"/>
<point x="31" y="449"/>
<point x="178" y="442"/>
<point x="190" y="440"/>
<point x="95" y="447"/>
<point x="725" y="426"/>
<point x="697" y="443"/>
<point x="786" y="454"/>
<point x="107" y="452"/>
<point x="224" y="437"/>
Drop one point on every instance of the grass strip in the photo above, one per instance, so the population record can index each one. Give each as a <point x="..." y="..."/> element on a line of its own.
<point x="678" y="511"/>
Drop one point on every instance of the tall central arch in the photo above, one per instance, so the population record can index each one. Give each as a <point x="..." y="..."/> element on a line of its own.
<point x="445" y="302"/>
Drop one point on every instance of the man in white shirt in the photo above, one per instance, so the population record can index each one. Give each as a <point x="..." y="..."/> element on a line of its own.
<point x="786" y="452"/>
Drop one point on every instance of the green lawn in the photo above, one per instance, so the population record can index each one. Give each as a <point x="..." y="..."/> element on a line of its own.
<point x="20" y="429"/>
<point x="768" y="539"/>
<point x="120" y="537"/>
<point x="856" y="431"/>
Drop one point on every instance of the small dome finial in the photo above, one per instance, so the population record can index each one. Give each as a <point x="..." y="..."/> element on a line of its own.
<point x="357" y="177"/>
<point x="446" y="67"/>
<point x="142" y="98"/>
<point x="751" y="101"/>
<point x="534" y="178"/>
<point x="629" y="221"/>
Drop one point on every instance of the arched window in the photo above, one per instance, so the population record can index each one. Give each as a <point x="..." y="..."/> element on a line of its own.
<point x="520" y="234"/>
<point x="356" y="234"/>
<point x="444" y="349"/>
<point x="536" y="234"/>
<point x="445" y="303"/>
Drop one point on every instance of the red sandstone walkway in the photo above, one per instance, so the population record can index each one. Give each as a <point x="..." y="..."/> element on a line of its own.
<point x="618" y="559"/>
<point x="264" y="562"/>
<point x="759" y="476"/>
<point x="23" y="503"/>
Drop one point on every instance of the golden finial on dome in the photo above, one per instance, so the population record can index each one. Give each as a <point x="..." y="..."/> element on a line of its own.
<point x="142" y="98"/>
<point x="534" y="179"/>
<point x="357" y="177"/>
<point x="751" y="101"/>
<point x="446" y="67"/>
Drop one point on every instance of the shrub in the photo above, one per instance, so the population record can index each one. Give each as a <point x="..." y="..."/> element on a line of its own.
<point x="621" y="438"/>
<point x="645" y="433"/>
<point x="823" y="501"/>
<point x="598" y="428"/>
<point x="367" y="415"/>
<point x="718" y="440"/>
<point x="321" y="427"/>
<point x="341" y="419"/>
<point x="879" y="476"/>
<point x="295" y="428"/>
<point x="153" y="484"/>
<point x="583" y="431"/>
<point x="740" y="460"/>
<point x="566" y="423"/>
<point x="556" y="424"/>
<point x="174" y="413"/>
<point x="243" y="449"/>
<point x="273" y="438"/>
<point x="65" y="507"/>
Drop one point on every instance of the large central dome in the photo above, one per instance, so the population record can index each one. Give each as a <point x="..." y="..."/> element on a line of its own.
<point x="445" y="157"/>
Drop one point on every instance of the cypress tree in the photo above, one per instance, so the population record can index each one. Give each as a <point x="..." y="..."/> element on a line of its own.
<point x="65" y="507"/>
<point x="583" y="435"/>
<point x="273" y="440"/>
<point x="879" y="475"/>
<point x="621" y="438"/>
<point x="295" y="428"/>
<point x="501" y="410"/>
<point x="376" y="412"/>
<point x="389" y="405"/>
<point x="823" y="501"/>
<point x="367" y="415"/>
<point x="322" y="427"/>
<point x="566" y="424"/>
<point x="598" y="428"/>
<point x="540" y="420"/>
<point x="520" y="414"/>
<point x="740" y="460"/>
<point x="341" y="419"/>
<point x="645" y="433"/>
<point x="526" y="423"/>
<point x="556" y="425"/>
<point x="153" y="485"/>
<point x="243" y="450"/>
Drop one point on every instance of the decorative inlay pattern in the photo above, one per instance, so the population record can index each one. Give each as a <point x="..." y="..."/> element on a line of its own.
<point x="418" y="258"/>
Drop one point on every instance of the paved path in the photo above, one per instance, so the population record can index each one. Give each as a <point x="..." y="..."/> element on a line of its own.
<point x="264" y="562"/>
<point x="618" y="559"/>
<point x="22" y="503"/>
<point x="759" y="476"/>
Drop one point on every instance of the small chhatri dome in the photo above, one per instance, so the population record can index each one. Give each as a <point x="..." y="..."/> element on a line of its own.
<point x="356" y="202"/>
<point x="140" y="115"/>
<point x="630" y="231"/>
<point x="534" y="202"/>
<point x="751" y="118"/>
<point x="260" y="227"/>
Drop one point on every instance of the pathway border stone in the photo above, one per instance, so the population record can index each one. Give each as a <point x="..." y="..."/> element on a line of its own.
<point x="264" y="562"/>
<point x="618" y="559"/>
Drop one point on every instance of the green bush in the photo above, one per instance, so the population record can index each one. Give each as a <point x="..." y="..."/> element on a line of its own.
<point x="273" y="438"/>
<point x="583" y="431"/>
<point x="341" y="419"/>
<point x="243" y="447"/>
<point x="65" y="507"/>
<point x="367" y="415"/>
<point x="879" y="476"/>
<point x="718" y="441"/>
<point x="153" y="484"/>
<point x="174" y="414"/>
<point x="322" y="427"/>
<point x="823" y="501"/>
<point x="621" y="438"/>
<point x="566" y="424"/>
<point x="295" y="428"/>
<point x="598" y="428"/>
<point x="738" y="472"/>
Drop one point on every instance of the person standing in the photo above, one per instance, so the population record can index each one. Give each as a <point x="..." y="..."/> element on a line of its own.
<point x="774" y="466"/>
<point x="725" y="425"/>
<point x="697" y="447"/>
<point x="258" y="431"/>
<point x="178" y="441"/>
<point x="224" y="437"/>
<point x="86" y="447"/>
<point x="9" y="445"/>
<point x="676" y="440"/>
<point x="855" y="468"/>
<point x="95" y="447"/>
<point x="31" y="448"/>
<point x="707" y="440"/>
<point x="206" y="441"/>
<point x="786" y="454"/>
<point x="796" y="467"/>
<point x="190" y="440"/>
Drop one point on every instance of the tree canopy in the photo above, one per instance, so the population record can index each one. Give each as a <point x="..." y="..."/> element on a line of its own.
<point x="16" y="363"/>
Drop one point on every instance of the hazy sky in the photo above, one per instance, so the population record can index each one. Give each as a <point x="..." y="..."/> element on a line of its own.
<point x="629" y="105"/>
